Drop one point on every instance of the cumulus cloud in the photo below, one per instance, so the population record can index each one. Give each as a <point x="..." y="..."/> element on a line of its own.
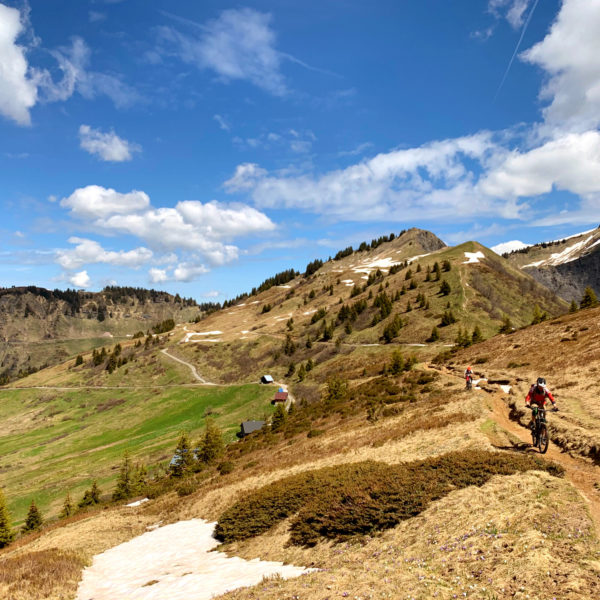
<point x="436" y="180"/>
<point x="18" y="89"/>
<point x="223" y="124"/>
<point x="570" y="163"/>
<point x="94" y="201"/>
<point x="570" y="55"/>
<point x="108" y="146"/>
<point x="89" y="252"/>
<point x="183" y="272"/>
<point x="191" y="226"/>
<point x="80" y="280"/>
<point x="238" y="45"/>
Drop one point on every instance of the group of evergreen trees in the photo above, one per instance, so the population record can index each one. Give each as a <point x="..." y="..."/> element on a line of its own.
<point x="187" y="459"/>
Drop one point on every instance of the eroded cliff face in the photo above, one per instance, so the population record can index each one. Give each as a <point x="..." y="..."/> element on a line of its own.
<point x="570" y="279"/>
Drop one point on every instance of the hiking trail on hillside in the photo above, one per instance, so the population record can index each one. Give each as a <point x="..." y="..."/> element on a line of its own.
<point x="580" y="473"/>
<point x="190" y="366"/>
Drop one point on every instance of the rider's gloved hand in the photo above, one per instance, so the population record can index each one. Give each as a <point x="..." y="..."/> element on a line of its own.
<point x="555" y="408"/>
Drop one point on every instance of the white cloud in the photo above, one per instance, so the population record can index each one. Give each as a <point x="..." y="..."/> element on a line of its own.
<point x="95" y="16"/>
<point x="513" y="10"/>
<point x="223" y="124"/>
<point x="94" y="201"/>
<point x="246" y="177"/>
<point x="184" y="272"/>
<point x="158" y="275"/>
<point x="80" y="280"/>
<point x="73" y="63"/>
<point x="108" y="146"/>
<point x="570" y="55"/>
<point x="570" y="163"/>
<point x="238" y="45"/>
<point x="18" y="89"/>
<point x="432" y="181"/>
<point x="190" y="226"/>
<point x="90" y="252"/>
<point x="188" y="271"/>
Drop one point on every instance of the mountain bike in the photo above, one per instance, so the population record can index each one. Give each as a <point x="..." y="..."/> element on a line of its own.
<point x="539" y="434"/>
<point x="469" y="383"/>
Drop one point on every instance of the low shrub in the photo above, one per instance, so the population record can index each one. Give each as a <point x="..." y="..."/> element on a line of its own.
<point x="225" y="468"/>
<point x="361" y="498"/>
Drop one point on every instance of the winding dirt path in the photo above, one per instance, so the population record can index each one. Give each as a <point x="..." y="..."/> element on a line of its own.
<point x="580" y="473"/>
<point x="190" y="366"/>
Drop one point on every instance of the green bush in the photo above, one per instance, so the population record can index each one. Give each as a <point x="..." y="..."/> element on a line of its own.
<point x="225" y="468"/>
<point x="360" y="498"/>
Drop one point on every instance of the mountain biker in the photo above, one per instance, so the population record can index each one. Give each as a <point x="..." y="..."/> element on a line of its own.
<point x="468" y="374"/>
<point x="539" y="395"/>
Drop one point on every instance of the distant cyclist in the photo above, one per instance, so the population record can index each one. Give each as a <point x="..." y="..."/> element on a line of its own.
<point x="469" y="376"/>
<point x="539" y="396"/>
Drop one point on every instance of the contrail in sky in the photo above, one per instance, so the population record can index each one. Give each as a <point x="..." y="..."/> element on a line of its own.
<point x="512" y="59"/>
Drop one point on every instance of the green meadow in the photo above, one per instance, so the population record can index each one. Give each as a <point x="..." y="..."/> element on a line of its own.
<point x="54" y="442"/>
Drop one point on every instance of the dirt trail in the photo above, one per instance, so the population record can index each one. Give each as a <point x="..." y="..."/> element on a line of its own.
<point x="190" y="366"/>
<point x="580" y="473"/>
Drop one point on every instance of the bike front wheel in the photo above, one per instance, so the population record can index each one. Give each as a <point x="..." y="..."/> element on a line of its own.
<point x="544" y="439"/>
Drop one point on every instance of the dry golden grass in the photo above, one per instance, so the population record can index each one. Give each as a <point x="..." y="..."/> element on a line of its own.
<point x="51" y="574"/>
<point x="523" y="536"/>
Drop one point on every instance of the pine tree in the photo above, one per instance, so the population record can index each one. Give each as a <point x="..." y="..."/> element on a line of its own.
<point x="437" y="271"/>
<point x="309" y="364"/>
<point x="538" y="315"/>
<point x="301" y="373"/>
<point x="445" y="288"/>
<point x="589" y="299"/>
<point x="79" y="360"/>
<point x="7" y="535"/>
<point x="397" y="364"/>
<point x="68" y="509"/>
<point x="291" y="370"/>
<point x="435" y="335"/>
<point x="139" y="479"/>
<point x="211" y="445"/>
<point x="184" y="458"/>
<point x="336" y="391"/>
<point x="33" y="521"/>
<point x="506" y="326"/>
<point x="279" y="418"/>
<point x="90" y="497"/>
<point x="95" y="492"/>
<point x="573" y="308"/>
<point x="123" y="488"/>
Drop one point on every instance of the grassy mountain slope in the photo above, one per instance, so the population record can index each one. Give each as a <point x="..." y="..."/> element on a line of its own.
<point x="359" y="403"/>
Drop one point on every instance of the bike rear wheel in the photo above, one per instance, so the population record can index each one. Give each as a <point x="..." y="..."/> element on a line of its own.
<point x="544" y="439"/>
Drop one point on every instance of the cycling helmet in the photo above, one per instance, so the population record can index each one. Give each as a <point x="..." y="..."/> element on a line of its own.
<point x="541" y="382"/>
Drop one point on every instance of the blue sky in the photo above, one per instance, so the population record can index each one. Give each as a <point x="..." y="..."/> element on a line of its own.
<point x="200" y="147"/>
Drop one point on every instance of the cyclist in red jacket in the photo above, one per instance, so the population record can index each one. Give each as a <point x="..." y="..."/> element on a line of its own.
<point x="539" y="396"/>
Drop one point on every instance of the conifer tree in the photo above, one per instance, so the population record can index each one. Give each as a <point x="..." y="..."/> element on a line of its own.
<point x="301" y="373"/>
<point x="573" y="308"/>
<point x="477" y="335"/>
<point x="68" y="509"/>
<point x="589" y="299"/>
<point x="211" y="445"/>
<point x="7" y="535"/>
<point x="123" y="488"/>
<point x="445" y="288"/>
<point x="33" y="521"/>
<point x="184" y="458"/>
<point x="279" y="418"/>
<point x="139" y="479"/>
<point x="79" y="360"/>
<point x="435" y="335"/>
<point x="437" y="271"/>
<point x="309" y="364"/>
<point x="506" y="326"/>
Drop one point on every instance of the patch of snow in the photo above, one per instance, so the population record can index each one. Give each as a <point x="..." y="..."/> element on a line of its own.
<point x="255" y="302"/>
<point x="569" y="254"/>
<point x="188" y="336"/>
<point x="245" y="331"/>
<point x="509" y="246"/>
<point x="185" y="570"/>
<point x="411" y="260"/>
<point x="534" y="264"/>
<point x="377" y="263"/>
<point x="364" y="277"/>
<point x="310" y="312"/>
<point x="506" y="388"/>
<point x="594" y="244"/>
<point x="287" y="287"/>
<point x="473" y="257"/>
<point x="138" y="502"/>
<point x="243" y="304"/>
